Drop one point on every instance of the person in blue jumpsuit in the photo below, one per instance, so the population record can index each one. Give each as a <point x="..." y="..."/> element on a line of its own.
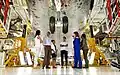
<point x="77" y="55"/>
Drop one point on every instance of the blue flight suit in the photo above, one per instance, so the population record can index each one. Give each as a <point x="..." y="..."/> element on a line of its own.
<point x="77" y="56"/>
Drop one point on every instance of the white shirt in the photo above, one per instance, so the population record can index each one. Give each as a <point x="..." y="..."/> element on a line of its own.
<point x="47" y="41"/>
<point x="53" y="48"/>
<point x="37" y="41"/>
<point x="64" y="47"/>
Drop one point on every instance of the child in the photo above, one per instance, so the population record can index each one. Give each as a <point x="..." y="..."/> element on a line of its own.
<point x="54" y="53"/>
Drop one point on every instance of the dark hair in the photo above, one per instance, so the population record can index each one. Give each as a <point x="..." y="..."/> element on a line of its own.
<point x="37" y="33"/>
<point x="52" y="40"/>
<point x="76" y="34"/>
<point x="83" y="35"/>
<point x="64" y="37"/>
<point x="48" y="32"/>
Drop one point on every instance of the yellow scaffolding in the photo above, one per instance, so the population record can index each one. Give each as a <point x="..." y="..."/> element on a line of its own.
<point x="12" y="57"/>
<point x="98" y="53"/>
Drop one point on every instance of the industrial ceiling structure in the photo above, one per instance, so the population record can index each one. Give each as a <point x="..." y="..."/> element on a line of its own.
<point x="38" y="13"/>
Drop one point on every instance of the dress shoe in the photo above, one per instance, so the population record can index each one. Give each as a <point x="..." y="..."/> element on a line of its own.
<point x="62" y="67"/>
<point x="54" y="67"/>
<point x="74" y="67"/>
<point x="47" y="67"/>
<point x="85" y="67"/>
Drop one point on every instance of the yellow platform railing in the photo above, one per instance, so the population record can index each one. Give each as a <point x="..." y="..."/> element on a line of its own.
<point x="19" y="45"/>
<point x="98" y="53"/>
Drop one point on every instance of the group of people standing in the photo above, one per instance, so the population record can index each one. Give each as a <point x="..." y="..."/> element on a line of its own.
<point x="51" y="50"/>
